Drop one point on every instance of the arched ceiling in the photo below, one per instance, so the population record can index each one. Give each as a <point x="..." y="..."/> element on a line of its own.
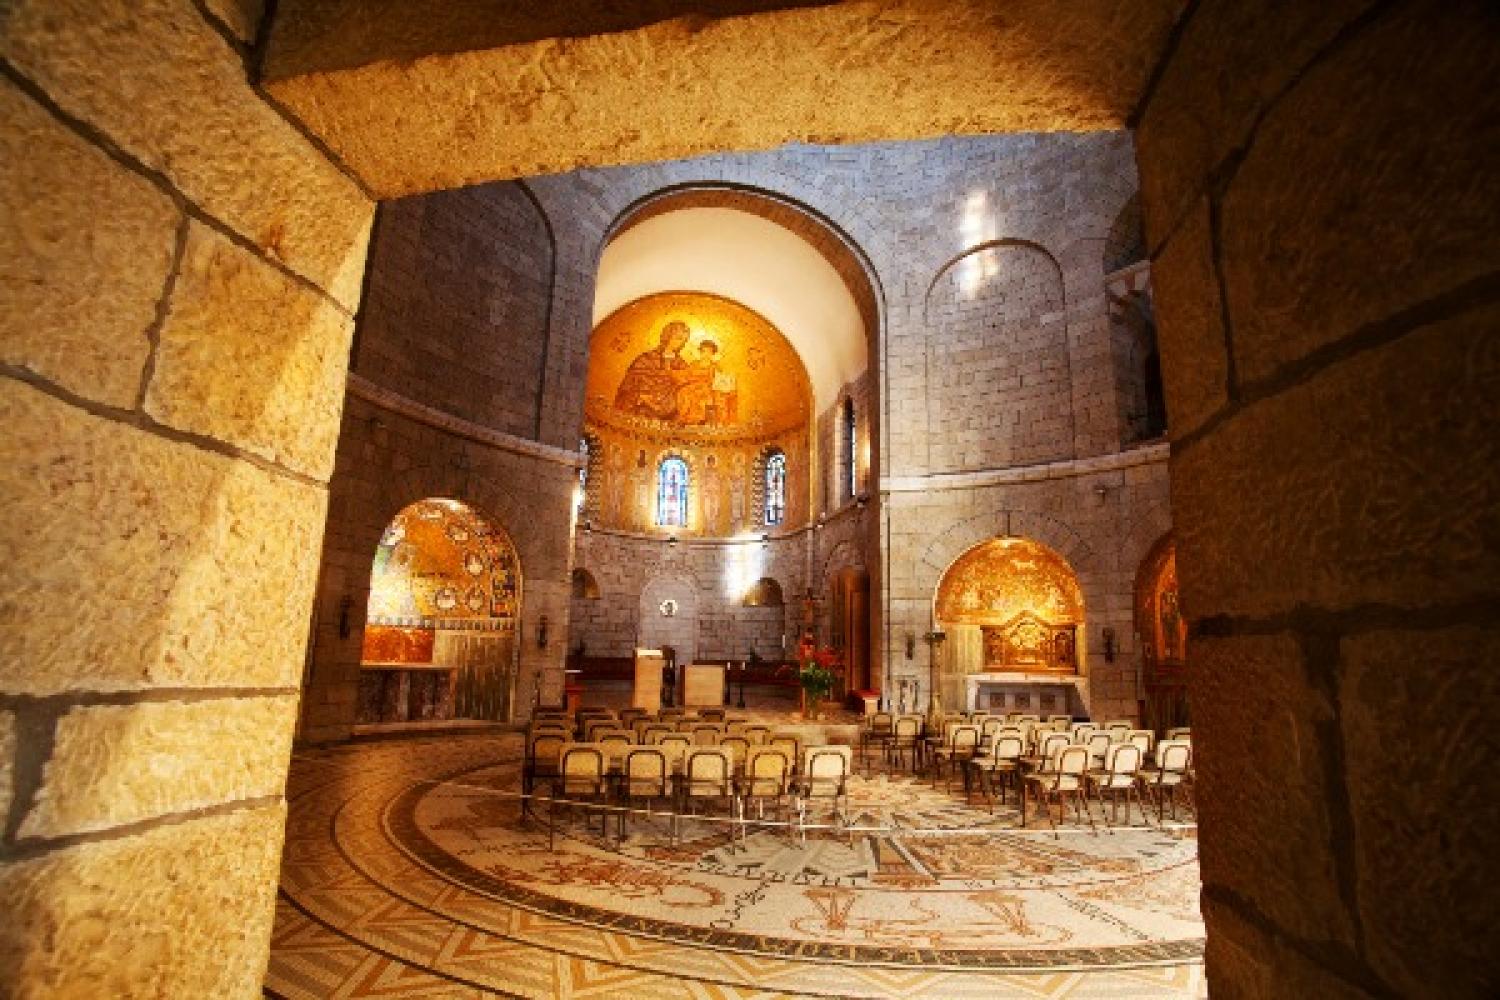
<point x="757" y="263"/>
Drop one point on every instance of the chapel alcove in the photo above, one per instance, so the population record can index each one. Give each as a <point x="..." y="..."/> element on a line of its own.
<point x="440" y="631"/>
<point x="1011" y="615"/>
<point x="1162" y="630"/>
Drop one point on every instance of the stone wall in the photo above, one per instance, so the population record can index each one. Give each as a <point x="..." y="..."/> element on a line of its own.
<point x="181" y="270"/>
<point x="983" y="261"/>
<point x="1325" y="265"/>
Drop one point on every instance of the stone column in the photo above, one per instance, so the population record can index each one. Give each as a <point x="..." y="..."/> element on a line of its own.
<point x="181" y="268"/>
<point x="1325" y="260"/>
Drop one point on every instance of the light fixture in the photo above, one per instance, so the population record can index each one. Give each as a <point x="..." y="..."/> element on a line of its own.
<point x="672" y="541"/>
<point x="765" y="540"/>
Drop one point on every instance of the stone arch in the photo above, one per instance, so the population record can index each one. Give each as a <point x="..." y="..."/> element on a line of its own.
<point x="840" y="249"/>
<point x="847" y="554"/>
<point x="1000" y="305"/>
<point x="585" y="585"/>
<point x="963" y="535"/>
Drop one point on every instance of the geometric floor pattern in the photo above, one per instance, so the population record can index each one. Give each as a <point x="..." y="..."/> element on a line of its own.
<point x="410" y="871"/>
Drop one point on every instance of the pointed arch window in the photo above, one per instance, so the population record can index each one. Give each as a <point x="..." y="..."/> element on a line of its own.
<point x="851" y="450"/>
<point x="775" y="487"/>
<point x="587" y="452"/>
<point x="672" y="493"/>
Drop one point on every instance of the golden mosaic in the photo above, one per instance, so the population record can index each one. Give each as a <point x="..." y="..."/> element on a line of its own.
<point x="691" y="366"/>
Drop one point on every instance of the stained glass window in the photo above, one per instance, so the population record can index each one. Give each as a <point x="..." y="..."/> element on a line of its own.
<point x="851" y="450"/>
<point x="672" y="493"/>
<point x="775" y="488"/>
<point x="583" y="474"/>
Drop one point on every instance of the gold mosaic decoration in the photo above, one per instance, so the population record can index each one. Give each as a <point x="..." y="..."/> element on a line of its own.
<point x="678" y="366"/>
<point x="1000" y="580"/>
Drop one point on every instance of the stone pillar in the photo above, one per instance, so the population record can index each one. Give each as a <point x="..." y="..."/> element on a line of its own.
<point x="1325" y="258"/>
<point x="181" y="268"/>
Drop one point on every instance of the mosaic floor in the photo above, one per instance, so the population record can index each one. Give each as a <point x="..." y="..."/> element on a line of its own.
<point x="411" y="871"/>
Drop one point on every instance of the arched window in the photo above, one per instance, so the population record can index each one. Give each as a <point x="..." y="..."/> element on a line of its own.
<point x="775" y="487"/>
<point x="851" y="450"/>
<point x="583" y="474"/>
<point x="672" y="493"/>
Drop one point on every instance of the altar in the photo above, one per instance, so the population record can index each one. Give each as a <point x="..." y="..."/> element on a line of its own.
<point x="1037" y="693"/>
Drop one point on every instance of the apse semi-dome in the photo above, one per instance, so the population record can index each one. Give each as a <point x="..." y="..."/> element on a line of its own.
<point x="694" y="367"/>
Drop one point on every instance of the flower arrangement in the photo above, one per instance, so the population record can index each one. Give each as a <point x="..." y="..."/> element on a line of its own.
<point x="817" y="671"/>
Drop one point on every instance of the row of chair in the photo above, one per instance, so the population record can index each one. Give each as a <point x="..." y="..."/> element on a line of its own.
<point x="1067" y="771"/>
<point x="689" y="778"/>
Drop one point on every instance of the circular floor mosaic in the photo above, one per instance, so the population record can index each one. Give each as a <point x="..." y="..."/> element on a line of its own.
<point x="924" y="879"/>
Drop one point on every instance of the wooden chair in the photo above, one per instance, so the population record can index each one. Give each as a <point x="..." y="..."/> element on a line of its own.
<point x="790" y="744"/>
<point x="647" y="778"/>
<point x="906" y="738"/>
<point x="877" y="732"/>
<point x="766" y="778"/>
<point x="1065" y="781"/>
<point x="998" y="767"/>
<point x="542" y="752"/>
<point x="1117" y="779"/>
<point x="708" y="779"/>
<point x="1174" y="758"/>
<point x="757" y="733"/>
<point x="825" y="775"/>
<point x="580" y="780"/>
<point x="960" y="744"/>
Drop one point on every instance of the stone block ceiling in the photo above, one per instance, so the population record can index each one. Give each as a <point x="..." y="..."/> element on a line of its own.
<point x="419" y="96"/>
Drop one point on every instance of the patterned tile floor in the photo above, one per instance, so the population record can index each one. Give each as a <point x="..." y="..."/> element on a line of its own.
<point x="410" y="872"/>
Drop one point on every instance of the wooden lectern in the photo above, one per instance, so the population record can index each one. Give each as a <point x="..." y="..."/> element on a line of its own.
<point x="648" y="668"/>
<point x="703" y="685"/>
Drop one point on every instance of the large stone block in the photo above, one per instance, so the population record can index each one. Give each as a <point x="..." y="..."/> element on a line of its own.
<point x="133" y="561"/>
<point x="1372" y="482"/>
<point x="1245" y="963"/>
<point x="1190" y="324"/>
<point x="1383" y="163"/>
<point x="1420" y="745"/>
<point x="84" y="256"/>
<point x="116" y="764"/>
<point x="1263" y="799"/>
<point x="158" y="80"/>
<point x="385" y="84"/>
<point x="179" y="911"/>
<point x="1231" y="60"/>
<point x="250" y="357"/>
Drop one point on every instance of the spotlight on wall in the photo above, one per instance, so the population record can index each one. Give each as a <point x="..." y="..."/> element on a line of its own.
<point x="541" y="633"/>
<point x="765" y="540"/>
<point x="672" y="541"/>
<point x="588" y="526"/>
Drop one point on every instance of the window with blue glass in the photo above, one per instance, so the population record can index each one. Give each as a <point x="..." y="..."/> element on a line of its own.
<point x="851" y="450"/>
<point x="775" y="488"/>
<point x="672" y="493"/>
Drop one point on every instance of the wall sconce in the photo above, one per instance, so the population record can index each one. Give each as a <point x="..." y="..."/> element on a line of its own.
<point x="672" y="541"/>
<point x="765" y="540"/>
<point x="346" y="605"/>
<point x="588" y="526"/>
<point x="911" y="646"/>
<point x="541" y="633"/>
<point x="862" y="501"/>
<point x="1109" y="644"/>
